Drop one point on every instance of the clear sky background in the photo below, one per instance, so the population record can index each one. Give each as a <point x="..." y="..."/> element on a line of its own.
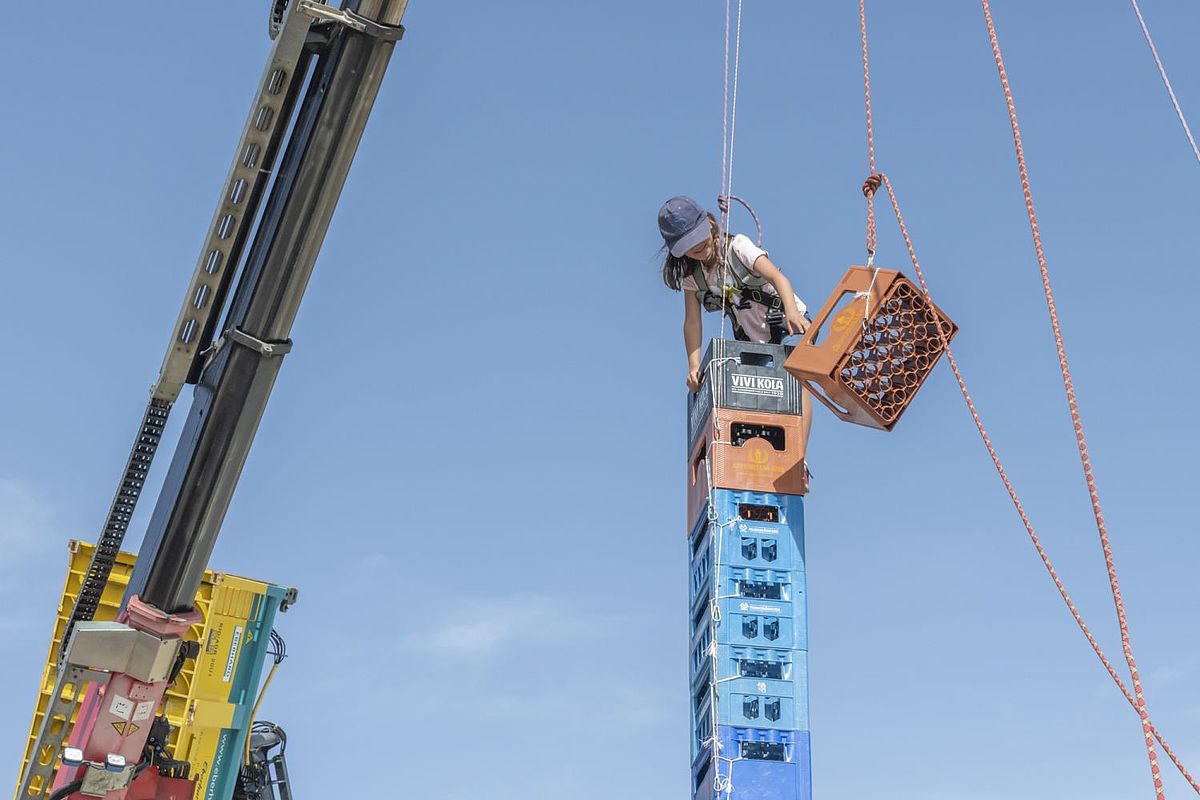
<point x="472" y="465"/>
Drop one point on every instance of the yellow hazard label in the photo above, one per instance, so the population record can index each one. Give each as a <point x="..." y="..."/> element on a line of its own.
<point x="125" y="728"/>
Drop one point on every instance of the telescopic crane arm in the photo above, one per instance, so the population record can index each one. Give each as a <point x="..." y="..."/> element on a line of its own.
<point x="308" y="115"/>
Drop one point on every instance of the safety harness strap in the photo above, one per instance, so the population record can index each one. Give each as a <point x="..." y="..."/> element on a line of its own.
<point x="750" y="290"/>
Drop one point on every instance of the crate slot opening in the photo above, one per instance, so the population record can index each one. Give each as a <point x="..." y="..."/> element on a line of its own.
<point x="742" y="432"/>
<point x="840" y="309"/>
<point x="763" y="751"/>
<point x="756" y="512"/>
<point x="748" y="359"/>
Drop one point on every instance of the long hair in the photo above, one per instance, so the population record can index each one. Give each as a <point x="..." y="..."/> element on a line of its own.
<point x="676" y="268"/>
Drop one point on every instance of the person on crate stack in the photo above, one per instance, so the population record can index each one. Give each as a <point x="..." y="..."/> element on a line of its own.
<point x="718" y="271"/>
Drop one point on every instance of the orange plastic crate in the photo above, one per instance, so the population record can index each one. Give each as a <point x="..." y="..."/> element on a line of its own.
<point x="871" y="347"/>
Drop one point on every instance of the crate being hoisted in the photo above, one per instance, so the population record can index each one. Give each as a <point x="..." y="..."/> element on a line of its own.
<point x="871" y="347"/>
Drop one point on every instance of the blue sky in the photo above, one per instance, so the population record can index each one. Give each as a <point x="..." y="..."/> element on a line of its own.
<point x="472" y="463"/>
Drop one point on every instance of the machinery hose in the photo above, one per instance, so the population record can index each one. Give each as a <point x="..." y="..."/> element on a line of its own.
<point x="67" y="790"/>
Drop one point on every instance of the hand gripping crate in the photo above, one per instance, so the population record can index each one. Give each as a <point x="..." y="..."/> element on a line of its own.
<point x="871" y="347"/>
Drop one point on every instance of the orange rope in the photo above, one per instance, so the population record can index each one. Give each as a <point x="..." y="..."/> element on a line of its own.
<point x="1073" y="406"/>
<point x="870" y="186"/>
<point x="1012" y="493"/>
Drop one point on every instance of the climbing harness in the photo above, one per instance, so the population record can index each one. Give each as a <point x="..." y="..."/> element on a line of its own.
<point x="741" y="288"/>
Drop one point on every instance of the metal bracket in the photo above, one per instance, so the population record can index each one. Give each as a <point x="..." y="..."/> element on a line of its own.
<point x="115" y="647"/>
<point x="99" y="779"/>
<point x="238" y="336"/>
<point x="266" y="349"/>
<point x="69" y="687"/>
<point x="320" y="11"/>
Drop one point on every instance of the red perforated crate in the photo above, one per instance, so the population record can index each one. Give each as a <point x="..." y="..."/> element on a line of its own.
<point x="871" y="347"/>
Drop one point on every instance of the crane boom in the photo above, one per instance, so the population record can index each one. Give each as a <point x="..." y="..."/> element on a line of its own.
<point x="237" y="207"/>
<point x="235" y="379"/>
<point x="312" y="106"/>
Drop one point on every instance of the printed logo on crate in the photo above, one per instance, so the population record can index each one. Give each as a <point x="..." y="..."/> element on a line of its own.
<point x="759" y="609"/>
<point x="760" y="528"/>
<point x="760" y="385"/>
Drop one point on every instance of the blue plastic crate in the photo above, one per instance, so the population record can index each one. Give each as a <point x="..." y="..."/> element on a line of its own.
<point x="761" y="663"/>
<point x="745" y="543"/>
<point x="762" y="765"/>
<point x="756" y="623"/>
<point x="777" y="705"/>
<point x="766" y="591"/>
<point x="737" y="504"/>
<point x="745" y="661"/>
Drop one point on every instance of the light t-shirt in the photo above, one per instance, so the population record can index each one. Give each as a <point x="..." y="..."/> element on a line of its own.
<point x="754" y="318"/>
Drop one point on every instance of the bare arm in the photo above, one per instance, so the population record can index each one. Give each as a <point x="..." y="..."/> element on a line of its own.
<point x="692" y="334"/>
<point x="783" y="287"/>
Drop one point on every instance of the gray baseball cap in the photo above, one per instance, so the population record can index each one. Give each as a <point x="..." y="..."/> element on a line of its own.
<point x="683" y="224"/>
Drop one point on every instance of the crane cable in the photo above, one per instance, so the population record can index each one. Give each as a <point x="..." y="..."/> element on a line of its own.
<point x="877" y="179"/>
<point x="1162" y="71"/>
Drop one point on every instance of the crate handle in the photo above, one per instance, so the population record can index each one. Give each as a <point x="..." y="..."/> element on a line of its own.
<point x="749" y="358"/>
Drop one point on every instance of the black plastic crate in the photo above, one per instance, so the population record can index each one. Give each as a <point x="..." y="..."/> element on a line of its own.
<point x="748" y="376"/>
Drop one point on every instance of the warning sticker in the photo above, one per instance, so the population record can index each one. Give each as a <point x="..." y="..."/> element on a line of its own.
<point x="143" y="711"/>
<point x="121" y="707"/>
<point x="125" y="728"/>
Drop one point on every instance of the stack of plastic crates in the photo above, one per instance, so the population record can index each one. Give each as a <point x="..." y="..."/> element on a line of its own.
<point x="749" y="641"/>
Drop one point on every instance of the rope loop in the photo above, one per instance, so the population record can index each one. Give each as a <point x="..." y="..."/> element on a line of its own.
<point x="872" y="183"/>
<point x="723" y="206"/>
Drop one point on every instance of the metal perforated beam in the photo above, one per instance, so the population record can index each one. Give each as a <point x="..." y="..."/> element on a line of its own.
<point x="253" y="160"/>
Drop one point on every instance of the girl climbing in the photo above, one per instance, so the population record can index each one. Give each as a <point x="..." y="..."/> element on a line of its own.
<point x="757" y="297"/>
<point x="754" y="293"/>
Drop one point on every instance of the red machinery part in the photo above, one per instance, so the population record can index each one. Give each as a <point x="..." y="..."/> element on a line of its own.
<point x="115" y="718"/>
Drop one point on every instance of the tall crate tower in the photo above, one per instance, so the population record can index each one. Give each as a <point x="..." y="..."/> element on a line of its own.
<point x="748" y="622"/>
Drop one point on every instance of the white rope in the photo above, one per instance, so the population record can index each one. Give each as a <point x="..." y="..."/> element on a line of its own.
<point x="870" y="289"/>
<point x="722" y="784"/>
<point x="1162" y="71"/>
<point x="725" y="107"/>
<point x="728" y="136"/>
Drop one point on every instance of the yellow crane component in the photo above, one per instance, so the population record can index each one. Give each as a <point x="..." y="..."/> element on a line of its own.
<point x="211" y="695"/>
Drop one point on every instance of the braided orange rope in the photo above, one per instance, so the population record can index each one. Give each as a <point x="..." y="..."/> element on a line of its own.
<point x="870" y="186"/>
<point x="1012" y="493"/>
<point x="1073" y="406"/>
